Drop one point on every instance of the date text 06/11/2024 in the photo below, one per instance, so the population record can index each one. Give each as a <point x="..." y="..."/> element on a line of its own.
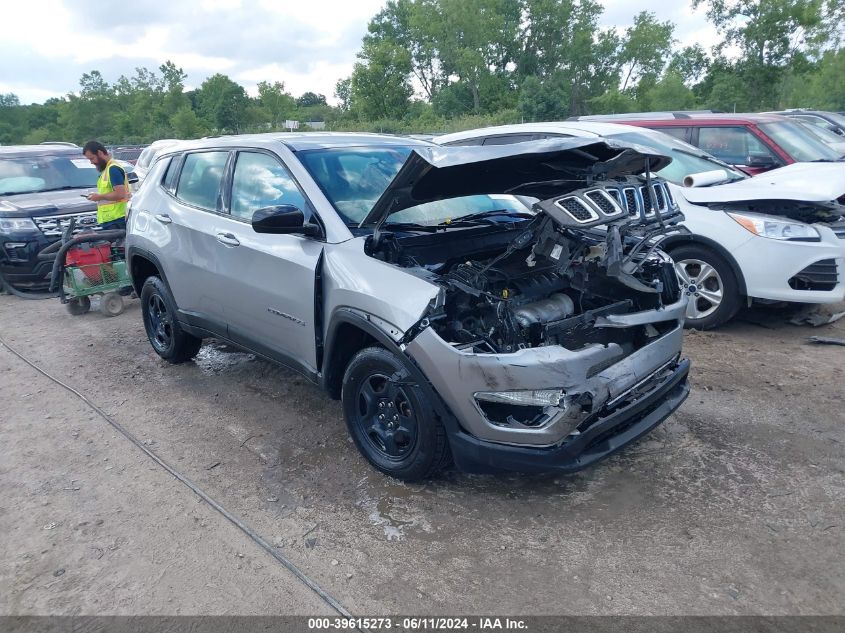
<point x="478" y="623"/>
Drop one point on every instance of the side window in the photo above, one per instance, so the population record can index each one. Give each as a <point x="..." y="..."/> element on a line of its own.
<point x="467" y="142"/>
<point x="261" y="181"/>
<point x="169" y="179"/>
<point x="507" y="139"/>
<point x="199" y="182"/>
<point x="680" y="133"/>
<point x="734" y="145"/>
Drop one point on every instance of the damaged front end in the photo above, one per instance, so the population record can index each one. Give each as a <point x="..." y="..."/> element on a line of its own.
<point x="547" y="330"/>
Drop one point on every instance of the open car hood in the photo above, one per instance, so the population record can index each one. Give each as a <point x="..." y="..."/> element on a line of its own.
<point x="541" y="169"/>
<point x="804" y="182"/>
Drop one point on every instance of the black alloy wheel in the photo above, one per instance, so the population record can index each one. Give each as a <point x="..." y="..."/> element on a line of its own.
<point x="386" y="417"/>
<point x="166" y="336"/>
<point x="391" y="418"/>
<point x="161" y="324"/>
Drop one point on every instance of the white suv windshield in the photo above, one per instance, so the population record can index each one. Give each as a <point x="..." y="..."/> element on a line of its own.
<point x="353" y="179"/>
<point x="686" y="159"/>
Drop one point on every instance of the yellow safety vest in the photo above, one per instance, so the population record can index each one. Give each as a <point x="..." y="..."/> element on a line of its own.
<point x="107" y="210"/>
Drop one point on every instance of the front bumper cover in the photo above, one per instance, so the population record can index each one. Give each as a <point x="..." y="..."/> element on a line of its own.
<point x="603" y="438"/>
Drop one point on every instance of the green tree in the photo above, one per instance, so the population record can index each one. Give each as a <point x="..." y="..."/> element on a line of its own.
<point x="544" y="100"/>
<point x="380" y="86"/>
<point x="826" y="89"/>
<point x="276" y="101"/>
<point x="670" y="93"/>
<point x="773" y="37"/>
<point x="186" y="124"/>
<point x="645" y="48"/>
<point x="561" y="39"/>
<point x="691" y="63"/>
<point x="343" y="92"/>
<point x="222" y="102"/>
<point x="310" y="99"/>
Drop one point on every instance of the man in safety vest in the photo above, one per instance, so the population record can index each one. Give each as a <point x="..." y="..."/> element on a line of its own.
<point x="112" y="187"/>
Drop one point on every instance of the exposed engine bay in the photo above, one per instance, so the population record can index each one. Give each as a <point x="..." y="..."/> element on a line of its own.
<point x="551" y="278"/>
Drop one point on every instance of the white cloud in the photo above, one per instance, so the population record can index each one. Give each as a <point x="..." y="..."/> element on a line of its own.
<point x="308" y="46"/>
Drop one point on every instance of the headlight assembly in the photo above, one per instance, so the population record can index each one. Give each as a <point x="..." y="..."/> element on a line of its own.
<point x="17" y="225"/>
<point x="536" y="397"/>
<point x="776" y="228"/>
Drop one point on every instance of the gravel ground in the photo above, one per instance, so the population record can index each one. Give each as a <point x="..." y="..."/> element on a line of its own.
<point x="733" y="506"/>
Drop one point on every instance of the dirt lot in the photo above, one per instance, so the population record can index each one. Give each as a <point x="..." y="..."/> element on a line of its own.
<point x="736" y="505"/>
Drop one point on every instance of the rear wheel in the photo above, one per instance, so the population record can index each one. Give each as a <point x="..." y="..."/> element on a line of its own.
<point x="111" y="304"/>
<point x="78" y="305"/>
<point x="166" y="336"/>
<point x="709" y="283"/>
<point x="390" y="418"/>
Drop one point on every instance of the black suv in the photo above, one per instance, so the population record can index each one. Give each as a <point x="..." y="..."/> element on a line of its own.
<point x="42" y="187"/>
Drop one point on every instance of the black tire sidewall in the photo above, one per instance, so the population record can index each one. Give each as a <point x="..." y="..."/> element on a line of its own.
<point x="182" y="345"/>
<point x="731" y="297"/>
<point x="108" y="297"/>
<point x="426" y="454"/>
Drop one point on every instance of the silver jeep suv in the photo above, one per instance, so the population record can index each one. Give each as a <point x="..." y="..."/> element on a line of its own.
<point x="504" y="307"/>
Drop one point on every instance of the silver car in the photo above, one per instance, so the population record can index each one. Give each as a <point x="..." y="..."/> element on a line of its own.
<point x="502" y="308"/>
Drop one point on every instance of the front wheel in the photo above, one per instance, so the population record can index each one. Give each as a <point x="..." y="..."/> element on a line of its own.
<point x="390" y="418"/>
<point x="710" y="285"/>
<point x="166" y="336"/>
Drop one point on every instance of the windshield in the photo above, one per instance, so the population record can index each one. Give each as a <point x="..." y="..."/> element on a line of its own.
<point x="353" y="179"/>
<point x="686" y="159"/>
<point x="836" y="118"/>
<point x="823" y="133"/>
<point x="45" y="173"/>
<point x="799" y="143"/>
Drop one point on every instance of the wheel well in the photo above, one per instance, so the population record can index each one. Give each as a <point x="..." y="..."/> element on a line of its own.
<point x="696" y="240"/>
<point x="142" y="268"/>
<point x="347" y="339"/>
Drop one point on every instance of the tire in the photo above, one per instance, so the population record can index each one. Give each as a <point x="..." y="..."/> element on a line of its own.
<point x="111" y="304"/>
<point x="168" y="339"/>
<point x="408" y="442"/>
<point x="714" y="297"/>
<point x="79" y="305"/>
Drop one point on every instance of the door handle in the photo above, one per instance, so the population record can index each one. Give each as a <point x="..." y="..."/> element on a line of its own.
<point x="164" y="218"/>
<point x="228" y="239"/>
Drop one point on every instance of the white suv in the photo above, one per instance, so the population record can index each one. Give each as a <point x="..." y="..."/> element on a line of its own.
<point x="779" y="236"/>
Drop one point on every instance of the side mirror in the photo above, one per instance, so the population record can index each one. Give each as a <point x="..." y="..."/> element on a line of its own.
<point x="761" y="162"/>
<point x="283" y="219"/>
<point x="132" y="177"/>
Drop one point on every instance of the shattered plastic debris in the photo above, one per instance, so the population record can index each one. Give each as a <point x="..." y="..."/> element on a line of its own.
<point x="826" y="340"/>
<point x="815" y="315"/>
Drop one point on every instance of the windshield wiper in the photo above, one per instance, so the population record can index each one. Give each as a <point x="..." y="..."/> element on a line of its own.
<point x="65" y="188"/>
<point x="483" y="215"/>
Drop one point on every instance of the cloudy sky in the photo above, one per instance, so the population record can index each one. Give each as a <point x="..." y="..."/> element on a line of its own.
<point x="48" y="44"/>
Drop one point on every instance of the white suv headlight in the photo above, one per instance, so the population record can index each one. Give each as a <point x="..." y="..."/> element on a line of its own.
<point x="776" y="228"/>
<point x="17" y="225"/>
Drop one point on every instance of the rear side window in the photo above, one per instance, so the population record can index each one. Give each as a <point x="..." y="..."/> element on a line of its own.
<point x="260" y="181"/>
<point x="734" y="145"/>
<point x="508" y="139"/>
<point x="169" y="179"/>
<point x="680" y="133"/>
<point x="199" y="182"/>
